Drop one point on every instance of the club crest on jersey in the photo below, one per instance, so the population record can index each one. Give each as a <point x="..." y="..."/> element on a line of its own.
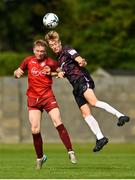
<point x="42" y="64"/>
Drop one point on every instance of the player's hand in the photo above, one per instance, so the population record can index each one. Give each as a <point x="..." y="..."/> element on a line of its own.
<point x="47" y="70"/>
<point x="60" y="74"/>
<point x="82" y="63"/>
<point x="18" y="73"/>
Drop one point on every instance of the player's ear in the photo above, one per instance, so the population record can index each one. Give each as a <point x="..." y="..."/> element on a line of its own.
<point x="34" y="50"/>
<point x="59" y="41"/>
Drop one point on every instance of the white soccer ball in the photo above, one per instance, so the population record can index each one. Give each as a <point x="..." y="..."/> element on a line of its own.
<point x="50" y="20"/>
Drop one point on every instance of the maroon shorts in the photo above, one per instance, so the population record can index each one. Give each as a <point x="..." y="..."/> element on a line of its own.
<point x="41" y="104"/>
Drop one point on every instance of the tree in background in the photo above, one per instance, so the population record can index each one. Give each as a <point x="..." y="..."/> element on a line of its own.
<point x="21" y="22"/>
<point x="101" y="30"/>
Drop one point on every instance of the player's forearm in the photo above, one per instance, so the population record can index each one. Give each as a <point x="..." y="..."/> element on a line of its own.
<point x="59" y="70"/>
<point x="54" y="74"/>
<point x="81" y="61"/>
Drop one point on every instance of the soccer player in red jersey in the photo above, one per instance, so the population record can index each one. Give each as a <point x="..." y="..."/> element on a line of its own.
<point x="41" y="97"/>
<point x="73" y="67"/>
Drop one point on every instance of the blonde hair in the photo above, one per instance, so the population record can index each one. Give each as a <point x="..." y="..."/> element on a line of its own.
<point x="39" y="42"/>
<point x="52" y="35"/>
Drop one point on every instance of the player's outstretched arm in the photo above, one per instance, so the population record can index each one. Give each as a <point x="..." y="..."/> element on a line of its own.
<point x="47" y="71"/>
<point x="57" y="74"/>
<point x="81" y="61"/>
<point x="18" y="73"/>
<point x="60" y="73"/>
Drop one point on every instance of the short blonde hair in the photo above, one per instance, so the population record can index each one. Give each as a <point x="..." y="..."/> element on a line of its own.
<point x="51" y="35"/>
<point x="39" y="42"/>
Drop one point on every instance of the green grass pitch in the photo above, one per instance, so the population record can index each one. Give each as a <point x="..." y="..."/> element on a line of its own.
<point x="115" y="161"/>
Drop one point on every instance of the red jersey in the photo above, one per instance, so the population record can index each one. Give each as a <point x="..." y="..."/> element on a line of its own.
<point x="39" y="84"/>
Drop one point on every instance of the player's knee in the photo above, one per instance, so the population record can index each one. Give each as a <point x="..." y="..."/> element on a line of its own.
<point x="35" y="129"/>
<point x="85" y="110"/>
<point x="92" y="102"/>
<point x="85" y="115"/>
<point x="57" y="122"/>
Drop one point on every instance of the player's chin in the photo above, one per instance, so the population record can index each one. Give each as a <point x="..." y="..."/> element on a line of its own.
<point x="38" y="58"/>
<point x="56" y="51"/>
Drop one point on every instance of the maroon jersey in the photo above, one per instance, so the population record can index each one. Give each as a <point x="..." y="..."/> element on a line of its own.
<point x="39" y="84"/>
<point x="68" y="64"/>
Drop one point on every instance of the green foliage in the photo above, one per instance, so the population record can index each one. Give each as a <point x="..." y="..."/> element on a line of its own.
<point x="103" y="31"/>
<point x="10" y="61"/>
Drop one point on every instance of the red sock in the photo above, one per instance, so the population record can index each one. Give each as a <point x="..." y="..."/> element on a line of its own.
<point x="38" y="144"/>
<point x="64" y="137"/>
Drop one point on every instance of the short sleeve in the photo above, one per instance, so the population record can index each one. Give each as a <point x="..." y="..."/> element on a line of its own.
<point x="73" y="53"/>
<point x="52" y="64"/>
<point x="24" y="64"/>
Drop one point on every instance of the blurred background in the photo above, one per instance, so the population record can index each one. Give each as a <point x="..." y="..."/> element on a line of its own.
<point x="103" y="31"/>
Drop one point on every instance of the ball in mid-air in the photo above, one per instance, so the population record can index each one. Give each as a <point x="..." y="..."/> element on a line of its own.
<point x="50" y="20"/>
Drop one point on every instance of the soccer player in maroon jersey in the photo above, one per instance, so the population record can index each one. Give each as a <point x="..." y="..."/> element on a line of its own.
<point x="73" y="68"/>
<point x="41" y="97"/>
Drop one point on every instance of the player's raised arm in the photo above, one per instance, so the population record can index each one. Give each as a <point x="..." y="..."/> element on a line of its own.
<point x="18" y="73"/>
<point x="81" y="61"/>
<point x="59" y="74"/>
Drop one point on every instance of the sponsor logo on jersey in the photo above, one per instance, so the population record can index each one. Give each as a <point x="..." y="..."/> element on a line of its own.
<point x="72" y="51"/>
<point x="36" y="72"/>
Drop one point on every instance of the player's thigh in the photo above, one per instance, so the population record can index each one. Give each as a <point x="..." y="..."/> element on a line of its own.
<point x="55" y="116"/>
<point x="90" y="97"/>
<point x="35" y="117"/>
